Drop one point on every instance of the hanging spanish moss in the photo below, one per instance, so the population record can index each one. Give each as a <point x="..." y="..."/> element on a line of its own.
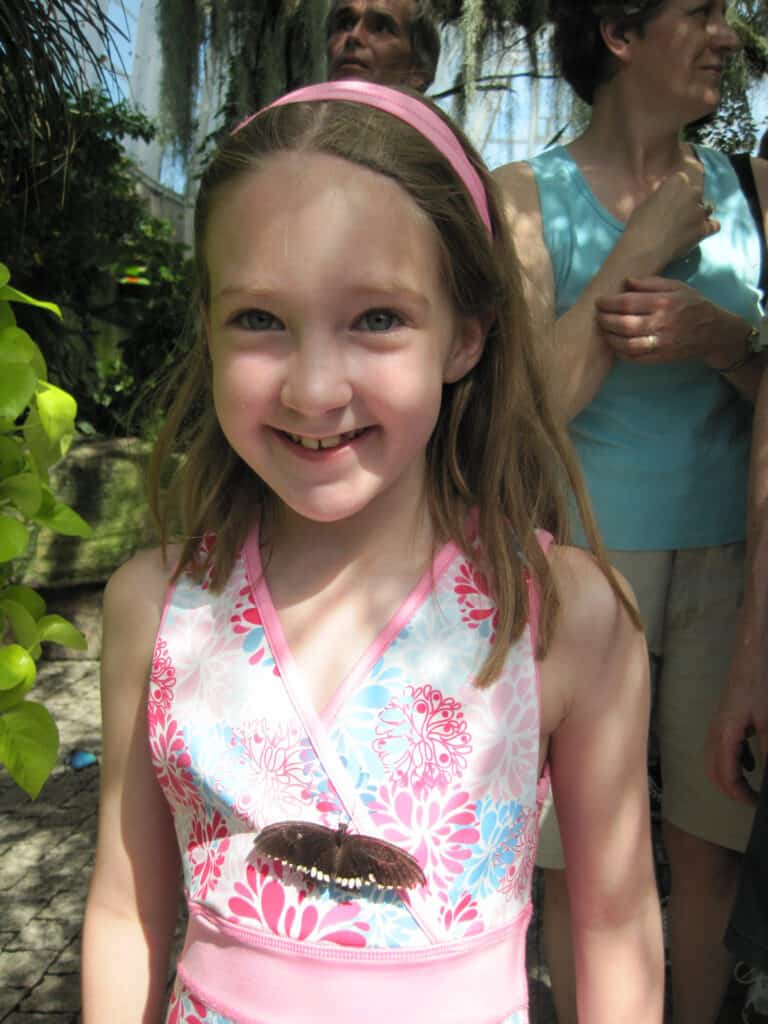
<point x="251" y="51"/>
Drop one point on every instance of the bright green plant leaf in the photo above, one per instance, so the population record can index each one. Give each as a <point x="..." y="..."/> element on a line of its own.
<point x="5" y="275"/>
<point x="29" y="745"/>
<point x="55" y="629"/>
<point x="63" y="519"/>
<point x="25" y="491"/>
<point x="17" y="386"/>
<point x="10" y="698"/>
<point x="44" y="454"/>
<point x="28" y="598"/>
<point x="16" y="346"/>
<point x="57" y="411"/>
<point x="16" y="667"/>
<point x="7" y="316"/>
<point x="23" y="624"/>
<point x="11" y="457"/>
<point x="14" y="537"/>
<point x="9" y="294"/>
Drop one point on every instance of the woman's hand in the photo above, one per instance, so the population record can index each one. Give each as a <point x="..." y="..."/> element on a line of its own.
<point x="672" y="219"/>
<point x="660" y="320"/>
<point x="743" y="712"/>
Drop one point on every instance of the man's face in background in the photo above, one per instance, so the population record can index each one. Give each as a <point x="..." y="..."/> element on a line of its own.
<point x="371" y="40"/>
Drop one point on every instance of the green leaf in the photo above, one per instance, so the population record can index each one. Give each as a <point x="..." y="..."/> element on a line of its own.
<point x="7" y="316"/>
<point x="17" y="386"/>
<point x="10" y="698"/>
<point x="5" y="275"/>
<point x="28" y="598"/>
<point x="55" y="629"/>
<point x="9" y="294"/>
<point x="16" y="667"/>
<point x="29" y="745"/>
<point x="16" y="346"/>
<point x="63" y="519"/>
<point x="23" y="624"/>
<point x="11" y="457"/>
<point x="57" y="410"/>
<point x="44" y="454"/>
<point x="14" y="537"/>
<point x="25" y="491"/>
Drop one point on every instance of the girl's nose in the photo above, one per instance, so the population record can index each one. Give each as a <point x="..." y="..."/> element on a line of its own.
<point x="316" y="381"/>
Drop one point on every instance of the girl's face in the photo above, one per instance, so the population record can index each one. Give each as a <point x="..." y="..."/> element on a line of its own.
<point x="331" y="333"/>
<point x="681" y="54"/>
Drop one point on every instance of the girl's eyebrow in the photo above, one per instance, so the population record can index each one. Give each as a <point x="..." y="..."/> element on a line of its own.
<point x="386" y="292"/>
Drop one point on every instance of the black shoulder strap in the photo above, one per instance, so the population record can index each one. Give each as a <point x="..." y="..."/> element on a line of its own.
<point x="742" y="165"/>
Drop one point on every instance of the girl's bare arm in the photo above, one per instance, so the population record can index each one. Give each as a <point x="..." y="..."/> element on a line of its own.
<point x="132" y="901"/>
<point x="597" y="670"/>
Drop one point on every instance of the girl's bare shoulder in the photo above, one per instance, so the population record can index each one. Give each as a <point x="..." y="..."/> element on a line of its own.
<point x="144" y="577"/>
<point x="134" y="598"/>
<point x="587" y="597"/>
<point x="594" y="634"/>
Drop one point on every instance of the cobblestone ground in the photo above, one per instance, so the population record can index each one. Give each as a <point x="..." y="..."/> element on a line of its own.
<point x="46" y="854"/>
<point x="46" y="850"/>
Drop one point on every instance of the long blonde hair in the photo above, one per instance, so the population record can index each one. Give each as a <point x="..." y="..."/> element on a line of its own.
<point x="496" y="448"/>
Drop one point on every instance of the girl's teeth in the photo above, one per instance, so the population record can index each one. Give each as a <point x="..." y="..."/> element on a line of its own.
<point x="314" y="443"/>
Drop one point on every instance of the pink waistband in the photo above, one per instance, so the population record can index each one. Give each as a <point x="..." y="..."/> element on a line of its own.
<point x="258" y="978"/>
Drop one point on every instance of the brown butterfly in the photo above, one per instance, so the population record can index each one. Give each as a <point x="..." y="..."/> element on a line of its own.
<point x="339" y="857"/>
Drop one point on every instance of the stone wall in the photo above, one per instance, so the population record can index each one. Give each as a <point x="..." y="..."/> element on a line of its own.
<point x="105" y="481"/>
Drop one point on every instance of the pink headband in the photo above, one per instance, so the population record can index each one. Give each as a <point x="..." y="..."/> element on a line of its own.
<point x="415" y="113"/>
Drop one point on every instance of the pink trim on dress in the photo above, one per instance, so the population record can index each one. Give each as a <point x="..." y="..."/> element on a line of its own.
<point x="416" y="902"/>
<point x="256" y="978"/>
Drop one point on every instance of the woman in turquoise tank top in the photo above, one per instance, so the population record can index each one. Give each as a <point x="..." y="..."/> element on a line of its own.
<point x="643" y="266"/>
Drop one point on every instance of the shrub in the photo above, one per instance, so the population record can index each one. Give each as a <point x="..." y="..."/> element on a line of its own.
<point x="37" y="421"/>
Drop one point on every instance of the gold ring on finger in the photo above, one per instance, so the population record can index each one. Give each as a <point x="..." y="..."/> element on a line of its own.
<point x="651" y="340"/>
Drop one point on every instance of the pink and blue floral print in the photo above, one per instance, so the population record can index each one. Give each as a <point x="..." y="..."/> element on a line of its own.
<point x="447" y="772"/>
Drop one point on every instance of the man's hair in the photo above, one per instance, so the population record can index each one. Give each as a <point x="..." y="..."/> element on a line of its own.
<point x="580" y="53"/>
<point x="499" y="465"/>
<point x="424" y="36"/>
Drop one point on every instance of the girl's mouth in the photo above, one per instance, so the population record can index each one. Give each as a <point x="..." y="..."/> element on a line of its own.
<point x="333" y="441"/>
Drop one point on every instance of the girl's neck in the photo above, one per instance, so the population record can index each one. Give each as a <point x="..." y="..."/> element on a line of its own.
<point x="376" y="541"/>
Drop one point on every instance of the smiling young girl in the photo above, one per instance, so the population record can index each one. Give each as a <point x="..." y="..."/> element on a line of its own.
<point x="362" y="628"/>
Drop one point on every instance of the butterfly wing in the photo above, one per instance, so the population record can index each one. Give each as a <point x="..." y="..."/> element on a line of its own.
<point x="300" y="845"/>
<point x="377" y="862"/>
<point x="351" y="861"/>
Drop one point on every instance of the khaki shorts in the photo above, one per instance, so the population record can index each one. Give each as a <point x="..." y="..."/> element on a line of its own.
<point x="689" y="601"/>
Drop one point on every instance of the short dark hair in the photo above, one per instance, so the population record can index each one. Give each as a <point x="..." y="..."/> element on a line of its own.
<point x="424" y="33"/>
<point x="580" y="53"/>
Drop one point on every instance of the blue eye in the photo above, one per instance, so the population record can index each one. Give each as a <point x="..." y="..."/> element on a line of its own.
<point x="378" y="320"/>
<point x="257" y="320"/>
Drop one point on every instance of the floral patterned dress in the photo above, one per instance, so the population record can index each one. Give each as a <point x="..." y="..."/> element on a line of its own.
<point x="408" y="750"/>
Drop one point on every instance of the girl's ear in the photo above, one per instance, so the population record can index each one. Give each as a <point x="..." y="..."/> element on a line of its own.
<point x="617" y="39"/>
<point x="467" y="347"/>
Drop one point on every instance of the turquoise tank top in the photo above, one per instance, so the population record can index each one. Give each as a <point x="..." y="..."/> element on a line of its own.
<point x="664" y="449"/>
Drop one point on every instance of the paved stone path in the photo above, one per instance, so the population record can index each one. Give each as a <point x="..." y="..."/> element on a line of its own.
<point x="46" y="851"/>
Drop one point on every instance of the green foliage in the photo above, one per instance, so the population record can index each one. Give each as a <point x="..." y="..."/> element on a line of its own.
<point x="37" y="423"/>
<point x="74" y="237"/>
<point x="47" y="48"/>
